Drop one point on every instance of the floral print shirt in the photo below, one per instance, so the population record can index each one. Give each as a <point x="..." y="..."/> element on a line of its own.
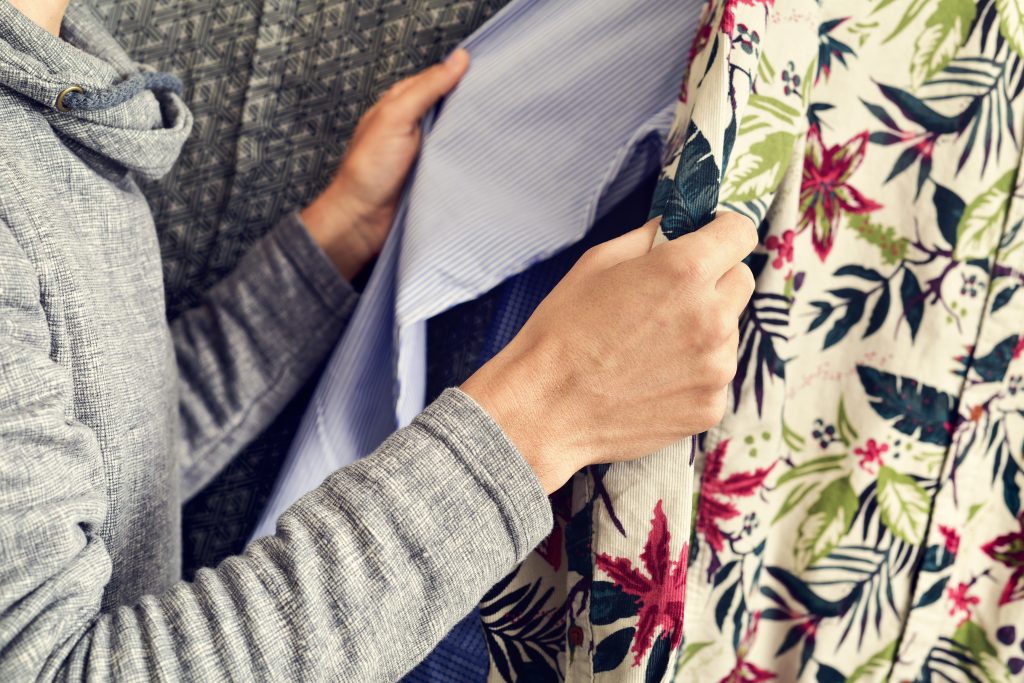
<point x="858" y="510"/>
<point x="857" y="514"/>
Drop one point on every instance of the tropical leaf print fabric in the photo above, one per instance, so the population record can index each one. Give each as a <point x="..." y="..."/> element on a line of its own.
<point x="857" y="513"/>
<point x="858" y="510"/>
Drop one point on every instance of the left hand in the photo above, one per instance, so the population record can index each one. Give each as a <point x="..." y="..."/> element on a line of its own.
<point x="351" y="218"/>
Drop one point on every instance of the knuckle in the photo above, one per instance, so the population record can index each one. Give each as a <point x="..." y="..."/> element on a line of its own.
<point x="591" y="255"/>
<point x="591" y="259"/>
<point x="742" y="229"/>
<point x="711" y="411"/>
<point x="750" y="236"/>
<point x="746" y="279"/>
<point x="723" y="371"/>
<point x="719" y="327"/>
<point x="690" y="269"/>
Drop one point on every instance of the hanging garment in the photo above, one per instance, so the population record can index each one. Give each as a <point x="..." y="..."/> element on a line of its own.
<point x="859" y="513"/>
<point x="276" y="89"/>
<point x="507" y="178"/>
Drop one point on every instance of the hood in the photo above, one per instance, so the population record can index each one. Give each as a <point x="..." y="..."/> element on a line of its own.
<point x="119" y="111"/>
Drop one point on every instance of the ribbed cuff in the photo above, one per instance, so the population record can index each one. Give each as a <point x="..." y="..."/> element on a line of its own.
<point x="497" y="465"/>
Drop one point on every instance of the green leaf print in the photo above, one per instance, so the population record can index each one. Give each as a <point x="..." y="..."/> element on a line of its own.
<point x="794" y="498"/>
<point x="846" y="431"/>
<point x="876" y="667"/>
<point x="975" y="640"/>
<point x="815" y="469"/>
<point x="826" y="463"/>
<point x="980" y="228"/>
<point x="944" y="32"/>
<point x="760" y="170"/>
<point x="827" y="522"/>
<point x="892" y="247"/>
<point x="768" y="112"/>
<point x="1011" y="22"/>
<point x="914" y="8"/>
<point x="691" y="651"/>
<point x="903" y="503"/>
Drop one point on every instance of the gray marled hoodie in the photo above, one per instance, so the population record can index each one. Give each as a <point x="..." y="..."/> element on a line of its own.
<point x="109" y="418"/>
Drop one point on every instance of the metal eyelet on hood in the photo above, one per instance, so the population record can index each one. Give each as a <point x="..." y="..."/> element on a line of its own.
<point x="59" y="104"/>
<point x="75" y="98"/>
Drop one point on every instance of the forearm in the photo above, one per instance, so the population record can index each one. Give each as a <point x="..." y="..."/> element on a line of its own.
<point x="253" y="342"/>
<point x="364" y="576"/>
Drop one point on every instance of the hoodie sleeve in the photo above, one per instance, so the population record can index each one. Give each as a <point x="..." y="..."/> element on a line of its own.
<point x="364" y="575"/>
<point x="253" y="341"/>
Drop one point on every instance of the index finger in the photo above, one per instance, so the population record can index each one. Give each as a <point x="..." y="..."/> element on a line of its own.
<point x="722" y="243"/>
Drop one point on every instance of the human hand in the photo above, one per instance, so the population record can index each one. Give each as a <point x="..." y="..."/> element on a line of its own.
<point x="351" y="218"/>
<point x="631" y="352"/>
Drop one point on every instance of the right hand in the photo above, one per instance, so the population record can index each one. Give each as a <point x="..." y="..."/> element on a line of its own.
<point x="632" y="351"/>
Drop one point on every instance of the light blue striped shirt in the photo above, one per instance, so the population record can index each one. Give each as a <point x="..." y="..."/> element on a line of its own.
<point x="536" y="143"/>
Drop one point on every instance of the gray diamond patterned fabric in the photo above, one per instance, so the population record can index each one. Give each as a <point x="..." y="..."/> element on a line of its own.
<point x="276" y="89"/>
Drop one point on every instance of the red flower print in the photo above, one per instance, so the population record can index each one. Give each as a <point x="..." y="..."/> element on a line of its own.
<point x="551" y="548"/>
<point x="785" y="247"/>
<point x="729" y="13"/>
<point x="744" y="671"/>
<point x="825" y="190"/>
<point x="1018" y="348"/>
<point x="951" y="537"/>
<point x="714" y="489"/>
<point x="871" y="455"/>
<point x="661" y="594"/>
<point x="1009" y="549"/>
<point x="962" y="602"/>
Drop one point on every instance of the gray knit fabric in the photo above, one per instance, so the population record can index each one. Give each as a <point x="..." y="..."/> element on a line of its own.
<point x="119" y="93"/>
<point x="276" y="88"/>
<point x="109" y="416"/>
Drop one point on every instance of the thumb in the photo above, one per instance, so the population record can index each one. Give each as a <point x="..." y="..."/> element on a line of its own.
<point x="417" y="94"/>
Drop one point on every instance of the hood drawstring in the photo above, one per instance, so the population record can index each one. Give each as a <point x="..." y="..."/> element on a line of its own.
<point x="74" y="99"/>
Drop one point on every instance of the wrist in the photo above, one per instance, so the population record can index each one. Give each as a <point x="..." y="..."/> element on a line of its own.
<point x="520" y="396"/>
<point x="334" y="224"/>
